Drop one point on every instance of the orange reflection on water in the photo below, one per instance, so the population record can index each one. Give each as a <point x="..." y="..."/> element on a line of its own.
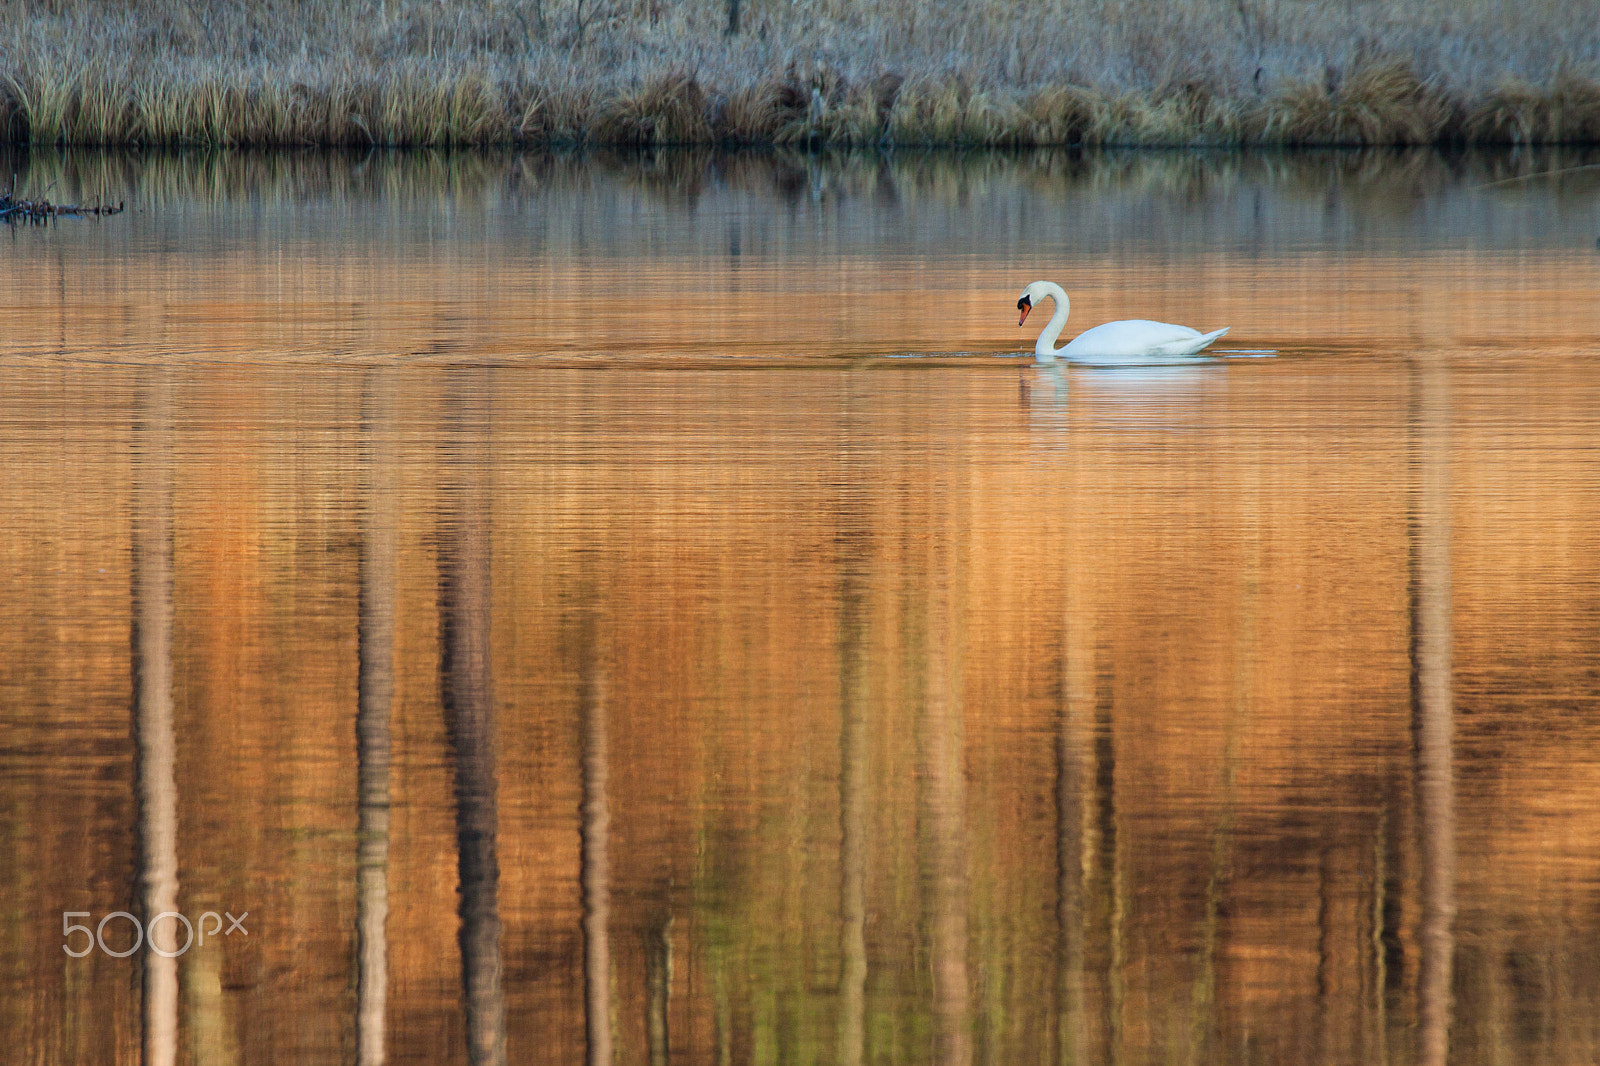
<point x="1167" y="621"/>
<point x="831" y="708"/>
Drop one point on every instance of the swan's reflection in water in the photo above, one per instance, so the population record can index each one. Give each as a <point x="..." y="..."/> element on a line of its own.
<point x="1042" y="392"/>
<point x="1151" y="392"/>
<point x="1143" y="396"/>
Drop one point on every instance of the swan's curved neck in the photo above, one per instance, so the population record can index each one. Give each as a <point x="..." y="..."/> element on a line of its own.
<point x="1045" y="347"/>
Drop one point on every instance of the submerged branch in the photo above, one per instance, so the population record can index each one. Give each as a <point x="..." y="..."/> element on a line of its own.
<point x="41" y="211"/>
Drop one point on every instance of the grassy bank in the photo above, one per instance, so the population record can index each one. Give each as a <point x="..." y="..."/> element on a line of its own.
<point x="866" y="72"/>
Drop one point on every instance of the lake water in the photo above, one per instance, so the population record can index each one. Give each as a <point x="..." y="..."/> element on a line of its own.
<point x="617" y="609"/>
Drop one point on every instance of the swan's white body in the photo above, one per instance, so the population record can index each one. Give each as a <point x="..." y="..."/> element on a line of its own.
<point x="1115" y="343"/>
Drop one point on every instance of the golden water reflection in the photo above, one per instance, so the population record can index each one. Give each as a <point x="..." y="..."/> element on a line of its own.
<point x="823" y="708"/>
<point x="699" y="256"/>
<point x="894" y="718"/>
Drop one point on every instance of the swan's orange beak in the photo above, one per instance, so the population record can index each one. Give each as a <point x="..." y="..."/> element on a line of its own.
<point x="1025" y="309"/>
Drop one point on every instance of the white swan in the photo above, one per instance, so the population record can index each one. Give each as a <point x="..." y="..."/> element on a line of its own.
<point x="1115" y="343"/>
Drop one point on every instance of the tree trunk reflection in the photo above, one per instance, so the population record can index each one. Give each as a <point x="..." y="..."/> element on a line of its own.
<point x="853" y="542"/>
<point x="944" y="801"/>
<point x="1432" y="713"/>
<point x="1071" y="839"/>
<point x="596" y="832"/>
<point x="468" y="698"/>
<point x="375" y="684"/>
<point x="153" y="714"/>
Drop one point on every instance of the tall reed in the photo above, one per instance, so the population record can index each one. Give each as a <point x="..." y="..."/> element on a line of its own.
<point x="843" y="72"/>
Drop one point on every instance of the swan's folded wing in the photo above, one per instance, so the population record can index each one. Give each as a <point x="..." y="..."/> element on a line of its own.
<point x="1189" y="345"/>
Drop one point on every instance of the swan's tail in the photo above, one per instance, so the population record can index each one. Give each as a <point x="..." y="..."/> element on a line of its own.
<point x="1206" y="339"/>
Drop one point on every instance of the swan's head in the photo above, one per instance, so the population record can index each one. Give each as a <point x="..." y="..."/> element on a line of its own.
<point x="1030" y="296"/>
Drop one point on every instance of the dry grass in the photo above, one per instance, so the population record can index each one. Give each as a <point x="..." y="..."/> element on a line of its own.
<point x="1565" y="112"/>
<point x="803" y="72"/>
<point x="1379" y="103"/>
<point x="669" y="110"/>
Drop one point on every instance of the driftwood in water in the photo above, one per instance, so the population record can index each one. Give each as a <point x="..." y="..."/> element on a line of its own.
<point x="41" y="211"/>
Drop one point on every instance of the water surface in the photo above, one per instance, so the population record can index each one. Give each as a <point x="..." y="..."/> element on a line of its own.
<point x="634" y="609"/>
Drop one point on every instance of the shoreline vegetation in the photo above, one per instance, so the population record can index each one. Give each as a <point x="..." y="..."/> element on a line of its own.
<point x="805" y="73"/>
